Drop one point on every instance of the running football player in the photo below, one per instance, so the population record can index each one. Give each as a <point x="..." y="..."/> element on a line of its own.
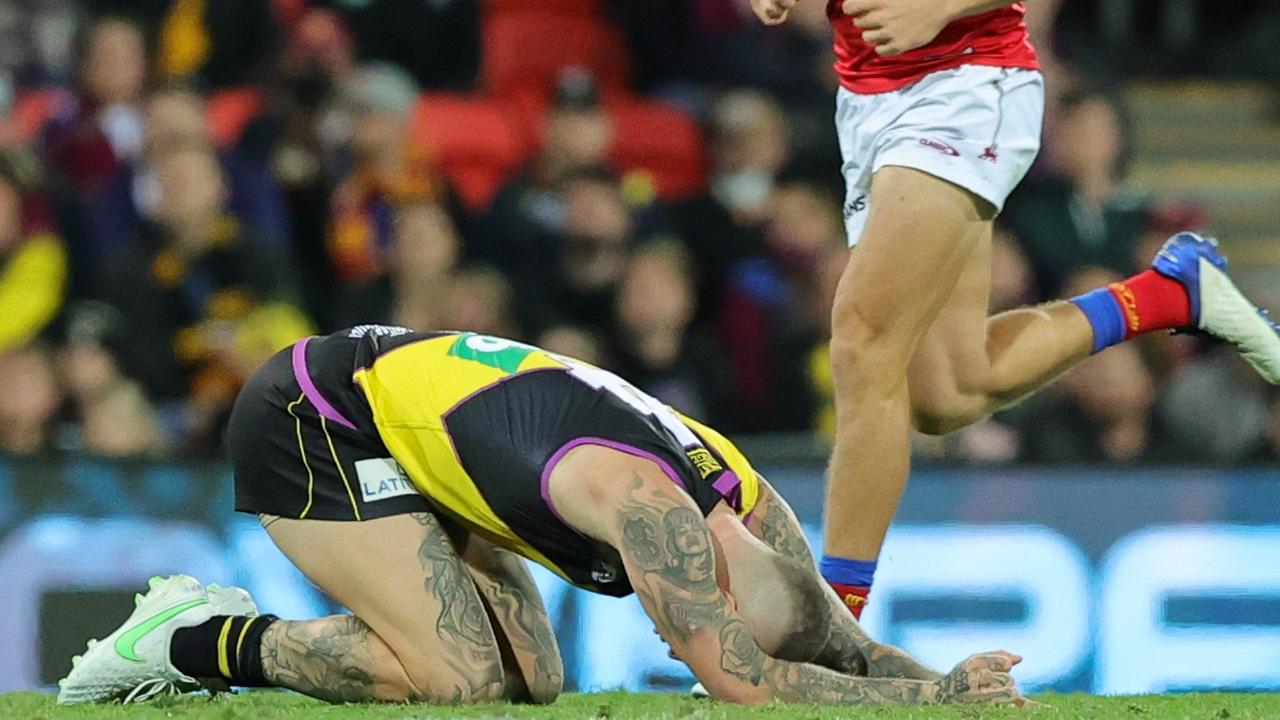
<point x="404" y="472"/>
<point x="938" y="117"/>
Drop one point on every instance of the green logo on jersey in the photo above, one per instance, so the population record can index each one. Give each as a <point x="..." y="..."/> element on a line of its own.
<point x="126" y="643"/>
<point x="505" y="355"/>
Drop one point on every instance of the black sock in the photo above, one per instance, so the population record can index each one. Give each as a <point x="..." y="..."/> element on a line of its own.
<point x="228" y="647"/>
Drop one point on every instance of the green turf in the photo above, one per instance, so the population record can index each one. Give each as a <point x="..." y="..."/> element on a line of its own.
<point x="617" y="706"/>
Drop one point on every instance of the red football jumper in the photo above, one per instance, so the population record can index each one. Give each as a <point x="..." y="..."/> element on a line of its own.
<point x="997" y="38"/>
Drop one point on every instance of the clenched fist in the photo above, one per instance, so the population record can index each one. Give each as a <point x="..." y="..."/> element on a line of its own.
<point x="982" y="678"/>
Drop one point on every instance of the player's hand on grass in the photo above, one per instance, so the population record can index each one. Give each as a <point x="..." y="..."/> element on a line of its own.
<point x="896" y="26"/>
<point x="982" y="678"/>
<point x="772" y="12"/>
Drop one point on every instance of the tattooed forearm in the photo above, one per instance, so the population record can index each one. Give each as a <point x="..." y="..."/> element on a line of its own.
<point x="331" y="659"/>
<point x="463" y="626"/>
<point x="779" y="529"/>
<point x="848" y="649"/>
<point x="670" y="558"/>
<point x="802" y="682"/>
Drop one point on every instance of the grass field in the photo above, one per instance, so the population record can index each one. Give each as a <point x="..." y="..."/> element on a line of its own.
<point x="620" y="706"/>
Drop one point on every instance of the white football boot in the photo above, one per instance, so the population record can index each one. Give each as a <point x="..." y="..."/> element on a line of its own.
<point x="132" y="663"/>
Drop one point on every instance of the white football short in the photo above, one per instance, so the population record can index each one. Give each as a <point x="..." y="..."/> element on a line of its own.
<point x="974" y="126"/>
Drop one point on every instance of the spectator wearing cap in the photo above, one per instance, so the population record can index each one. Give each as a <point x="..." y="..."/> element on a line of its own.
<point x="576" y="136"/>
<point x="34" y="266"/>
<point x="103" y="130"/>
<point x="386" y="170"/>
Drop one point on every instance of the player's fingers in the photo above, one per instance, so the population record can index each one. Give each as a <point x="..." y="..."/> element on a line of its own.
<point x="987" y="681"/>
<point x="859" y="7"/>
<point x="1001" y="696"/>
<point x="889" y="49"/>
<point x="868" y="21"/>
<point x="876" y="37"/>
<point x="1000" y="661"/>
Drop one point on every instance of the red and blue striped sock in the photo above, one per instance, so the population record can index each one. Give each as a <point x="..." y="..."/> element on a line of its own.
<point x="851" y="579"/>
<point x="1144" y="303"/>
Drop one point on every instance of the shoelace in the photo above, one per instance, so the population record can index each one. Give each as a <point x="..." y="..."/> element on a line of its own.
<point x="148" y="689"/>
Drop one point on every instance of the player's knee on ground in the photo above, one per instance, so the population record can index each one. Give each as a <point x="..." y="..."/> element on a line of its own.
<point x="439" y="681"/>
<point x="545" y="690"/>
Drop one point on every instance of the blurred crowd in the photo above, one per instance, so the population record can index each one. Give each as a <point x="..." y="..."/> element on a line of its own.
<point x="187" y="186"/>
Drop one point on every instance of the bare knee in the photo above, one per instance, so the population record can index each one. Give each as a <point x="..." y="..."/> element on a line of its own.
<point x="941" y="413"/>
<point x="443" y="683"/>
<point x="545" y="690"/>
<point x="868" y="351"/>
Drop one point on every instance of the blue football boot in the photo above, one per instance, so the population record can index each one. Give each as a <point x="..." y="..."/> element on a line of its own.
<point x="1218" y="308"/>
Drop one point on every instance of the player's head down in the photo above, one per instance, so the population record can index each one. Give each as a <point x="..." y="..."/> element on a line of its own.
<point x="780" y="598"/>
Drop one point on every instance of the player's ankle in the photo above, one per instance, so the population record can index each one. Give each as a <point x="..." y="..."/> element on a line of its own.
<point x="226" y="647"/>
<point x="851" y="579"/>
<point x="1143" y="303"/>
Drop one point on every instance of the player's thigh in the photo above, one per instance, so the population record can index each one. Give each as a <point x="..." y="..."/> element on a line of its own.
<point x="918" y="239"/>
<point x="949" y="367"/>
<point x="402" y="576"/>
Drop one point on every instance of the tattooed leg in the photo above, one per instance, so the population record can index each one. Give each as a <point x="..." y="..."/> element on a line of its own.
<point x="848" y="648"/>
<point x="410" y="594"/>
<point x="338" y="659"/>
<point x="519" y="617"/>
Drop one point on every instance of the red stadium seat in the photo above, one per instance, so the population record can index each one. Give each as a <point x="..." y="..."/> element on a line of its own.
<point x="660" y="140"/>
<point x="475" y="143"/>
<point x="526" y="49"/>
<point x="583" y="7"/>
<point x="31" y="111"/>
<point x="228" y="111"/>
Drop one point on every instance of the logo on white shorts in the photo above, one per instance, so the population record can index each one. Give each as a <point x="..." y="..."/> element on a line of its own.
<point x="382" y="478"/>
<point x="940" y="146"/>
<point x="855" y="206"/>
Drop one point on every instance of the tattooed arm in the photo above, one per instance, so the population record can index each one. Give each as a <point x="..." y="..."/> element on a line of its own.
<point x="508" y="589"/>
<point x="849" y="649"/>
<point x="670" y="557"/>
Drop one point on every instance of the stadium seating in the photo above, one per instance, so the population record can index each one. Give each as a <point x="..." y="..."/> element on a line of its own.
<point x="31" y="111"/>
<point x="526" y="49"/>
<point x="658" y="139"/>
<point x="583" y="7"/>
<point x="228" y="111"/>
<point x="472" y="138"/>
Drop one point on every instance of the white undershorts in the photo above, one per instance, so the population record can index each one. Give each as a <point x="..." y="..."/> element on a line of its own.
<point x="974" y="126"/>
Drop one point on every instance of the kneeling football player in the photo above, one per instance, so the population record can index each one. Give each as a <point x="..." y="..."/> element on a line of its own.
<point x="404" y="473"/>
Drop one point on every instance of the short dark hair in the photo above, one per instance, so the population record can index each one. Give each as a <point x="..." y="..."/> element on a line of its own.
<point x="808" y="636"/>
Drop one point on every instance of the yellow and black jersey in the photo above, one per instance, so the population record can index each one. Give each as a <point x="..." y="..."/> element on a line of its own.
<point x="474" y="425"/>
